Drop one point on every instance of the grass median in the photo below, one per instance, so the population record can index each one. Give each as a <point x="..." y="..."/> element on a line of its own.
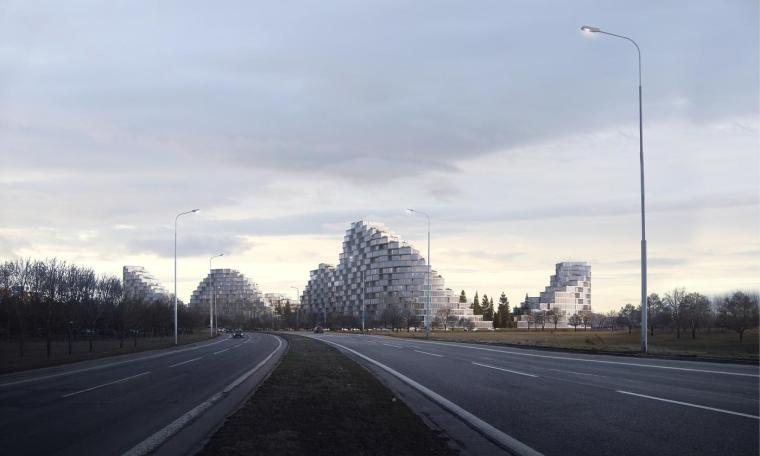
<point x="712" y="343"/>
<point x="320" y="402"/>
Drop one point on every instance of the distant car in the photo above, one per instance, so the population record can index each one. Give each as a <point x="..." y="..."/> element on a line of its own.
<point x="238" y="335"/>
<point x="318" y="330"/>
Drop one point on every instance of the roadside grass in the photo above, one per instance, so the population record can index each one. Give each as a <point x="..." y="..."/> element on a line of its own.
<point x="35" y="351"/>
<point x="713" y="343"/>
<point x="320" y="402"/>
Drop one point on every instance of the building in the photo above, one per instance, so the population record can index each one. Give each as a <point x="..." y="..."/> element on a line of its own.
<point x="568" y="293"/>
<point x="139" y="283"/>
<point x="384" y="275"/>
<point x="236" y="298"/>
<point x="271" y="300"/>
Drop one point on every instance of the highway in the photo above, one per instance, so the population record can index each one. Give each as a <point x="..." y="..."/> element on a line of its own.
<point x="559" y="403"/>
<point x="132" y="403"/>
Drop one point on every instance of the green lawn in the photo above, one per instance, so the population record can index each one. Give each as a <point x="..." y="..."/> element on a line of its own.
<point x="319" y="402"/>
<point x="35" y="351"/>
<point x="714" y="343"/>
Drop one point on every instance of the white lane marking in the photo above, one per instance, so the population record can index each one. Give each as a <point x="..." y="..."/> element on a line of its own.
<point x="578" y="373"/>
<point x="188" y="361"/>
<point x="691" y="405"/>
<point x="221" y="351"/>
<point x="105" y="384"/>
<point x="428" y="353"/>
<point x="505" y="370"/>
<point x="496" y="436"/>
<point x="155" y="440"/>
<point x="396" y="346"/>
<point x="236" y="346"/>
<point x="589" y="360"/>
<point x="103" y="366"/>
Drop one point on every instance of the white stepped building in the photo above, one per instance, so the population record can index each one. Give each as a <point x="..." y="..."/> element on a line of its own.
<point x="568" y="293"/>
<point x="387" y="274"/>
<point x="235" y="296"/>
<point x="139" y="283"/>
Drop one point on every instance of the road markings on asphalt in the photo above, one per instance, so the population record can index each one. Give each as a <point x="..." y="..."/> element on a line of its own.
<point x="428" y="353"/>
<point x="154" y="441"/>
<point x="103" y="366"/>
<point x="691" y="405"/>
<point x="501" y="439"/>
<point x="105" y="384"/>
<point x="396" y="346"/>
<point x="221" y="351"/>
<point x="188" y="361"/>
<point x="505" y="370"/>
<point x="236" y="346"/>
<point x="510" y="352"/>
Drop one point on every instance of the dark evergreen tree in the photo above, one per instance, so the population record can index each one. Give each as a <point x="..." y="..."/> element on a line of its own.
<point x="475" y="306"/>
<point x="487" y="308"/>
<point x="463" y="298"/>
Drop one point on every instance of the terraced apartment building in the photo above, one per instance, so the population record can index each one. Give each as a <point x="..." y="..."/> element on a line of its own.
<point x="388" y="276"/>
<point x="568" y="293"/>
<point x="235" y="296"/>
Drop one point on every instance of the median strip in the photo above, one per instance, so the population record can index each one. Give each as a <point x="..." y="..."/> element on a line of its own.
<point x="105" y="384"/>
<point x="505" y="370"/>
<point x="745" y="415"/>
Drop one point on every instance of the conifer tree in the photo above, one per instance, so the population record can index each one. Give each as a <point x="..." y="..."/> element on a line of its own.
<point x="487" y="308"/>
<point x="463" y="298"/>
<point x="475" y="306"/>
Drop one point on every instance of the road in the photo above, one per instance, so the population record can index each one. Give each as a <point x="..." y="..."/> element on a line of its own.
<point x="558" y="403"/>
<point x="111" y="405"/>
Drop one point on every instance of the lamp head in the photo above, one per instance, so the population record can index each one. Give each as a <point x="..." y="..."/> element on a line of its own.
<point x="195" y="210"/>
<point x="590" y="29"/>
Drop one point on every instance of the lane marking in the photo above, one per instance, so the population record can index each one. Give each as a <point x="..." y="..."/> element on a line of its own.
<point x="157" y="439"/>
<point x="431" y="354"/>
<point x="396" y="346"/>
<point x="118" y="363"/>
<point x="188" y="361"/>
<point x="105" y="384"/>
<point x="221" y="351"/>
<point x="691" y="405"/>
<point x="590" y="360"/>
<point x="236" y="346"/>
<point x="499" y="438"/>
<point x="505" y="370"/>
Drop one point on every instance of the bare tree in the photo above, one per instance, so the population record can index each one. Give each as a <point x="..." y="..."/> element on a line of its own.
<point x="675" y="302"/>
<point x="443" y="314"/>
<point x="738" y="312"/>
<point x="575" y="320"/>
<point x="696" y="312"/>
<point x="554" y="316"/>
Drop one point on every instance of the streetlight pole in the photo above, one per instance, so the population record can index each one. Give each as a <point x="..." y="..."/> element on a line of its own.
<point x="429" y="281"/>
<point x="212" y="301"/>
<point x="298" y="309"/>
<point x="644" y="310"/>
<point x="176" y="337"/>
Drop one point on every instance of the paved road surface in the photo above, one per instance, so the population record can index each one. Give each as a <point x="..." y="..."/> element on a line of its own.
<point x="109" y="406"/>
<point x="559" y="403"/>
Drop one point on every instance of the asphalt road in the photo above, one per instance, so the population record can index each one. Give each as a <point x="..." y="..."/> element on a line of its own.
<point x="109" y="406"/>
<point x="560" y="404"/>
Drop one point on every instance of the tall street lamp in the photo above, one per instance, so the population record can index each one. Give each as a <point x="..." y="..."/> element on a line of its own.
<point x="212" y="301"/>
<point x="298" y="309"/>
<point x="429" y="281"/>
<point x="176" y="338"/>
<point x="590" y="29"/>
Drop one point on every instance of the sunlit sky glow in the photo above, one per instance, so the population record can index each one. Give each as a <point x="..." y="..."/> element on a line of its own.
<point x="284" y="122"/>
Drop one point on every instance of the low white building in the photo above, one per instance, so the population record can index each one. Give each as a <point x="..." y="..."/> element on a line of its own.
<point x="568" y="294"/>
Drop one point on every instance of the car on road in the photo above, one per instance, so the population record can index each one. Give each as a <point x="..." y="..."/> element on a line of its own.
<point x="238" y="335"/>
<point x="318" y="330"/>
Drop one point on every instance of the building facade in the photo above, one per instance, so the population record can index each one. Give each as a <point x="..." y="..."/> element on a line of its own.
<point x="235" y="297"/>
<point x="568" y="293"/>
<point x="383" y="275"/>
<point x="139" y="283"/>
<point x="272" y="300"/>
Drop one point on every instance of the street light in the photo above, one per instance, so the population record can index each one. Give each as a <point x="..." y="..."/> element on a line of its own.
<point x="176" y="338"/>
<point x="351" y="259"/>
<point x="212" y="301"/>
<point x="298" y="309"/>
<point x="429" y="281"/>
<point x="590" y="29"/>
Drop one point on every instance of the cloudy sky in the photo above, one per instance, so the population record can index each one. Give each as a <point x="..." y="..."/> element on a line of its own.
<point x="285" y="121"/>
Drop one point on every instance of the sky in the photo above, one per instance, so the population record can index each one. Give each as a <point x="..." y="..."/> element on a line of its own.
<point x="286" y="121"/>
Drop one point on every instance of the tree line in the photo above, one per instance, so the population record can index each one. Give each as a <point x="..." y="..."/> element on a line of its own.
<point x="56" y="300"/>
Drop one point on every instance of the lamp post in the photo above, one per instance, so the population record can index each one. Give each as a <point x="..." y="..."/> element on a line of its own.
<point x="644" y="310"/>
<point x="298" y="309"/>
<point x="176" y="338"/>
<point x="212" y="301"/>
<point x="429" y="281"/>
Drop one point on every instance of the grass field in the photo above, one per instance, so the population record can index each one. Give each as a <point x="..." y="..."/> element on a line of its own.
<point x="713" y="344"/>
<point x="35" y="352"/>
<point x="319" y="402"/>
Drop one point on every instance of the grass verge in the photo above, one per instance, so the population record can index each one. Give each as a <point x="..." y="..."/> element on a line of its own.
<point x="320" y="402"/>
<point x="35" y="350"/>
<point x="712" y="344"/>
